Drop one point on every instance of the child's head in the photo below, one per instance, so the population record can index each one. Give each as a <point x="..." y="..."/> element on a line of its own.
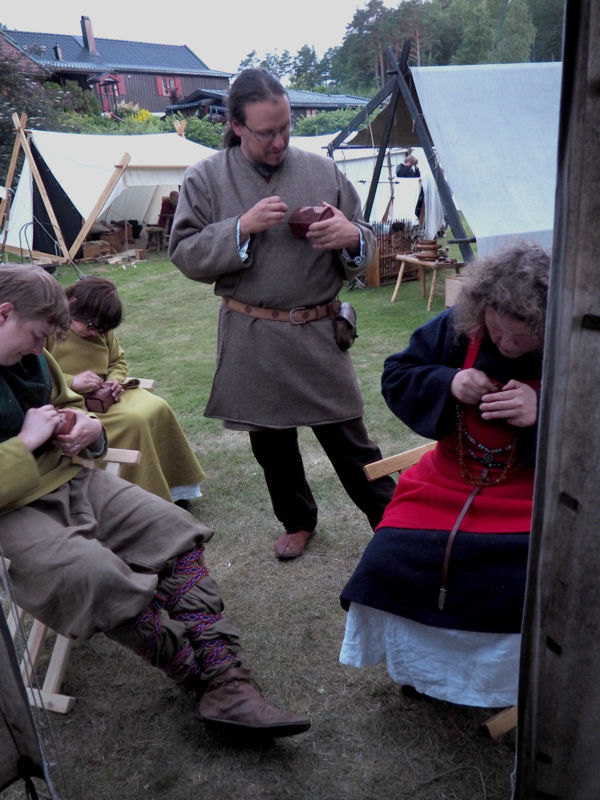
<point x="32" y="307"/>
<point x="95" y="305"/>
<point x="34" y="294"/>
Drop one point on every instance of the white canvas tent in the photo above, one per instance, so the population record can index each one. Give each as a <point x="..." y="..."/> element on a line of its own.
<point x="491" y="133"/>
<point x="495" y="130"/>
<point x="78" y="171"/>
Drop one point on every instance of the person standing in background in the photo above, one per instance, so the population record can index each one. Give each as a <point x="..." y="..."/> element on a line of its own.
<point x="167" y="211"/>
<point x="408" y="168"/>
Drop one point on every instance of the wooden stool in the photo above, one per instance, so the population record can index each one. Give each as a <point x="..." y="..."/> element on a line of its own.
<point x="156" y="237"/>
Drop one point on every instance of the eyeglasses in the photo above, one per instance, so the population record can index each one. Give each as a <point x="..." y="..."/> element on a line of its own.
<point x="91" y="325"/>
<point x="269" y="136"/>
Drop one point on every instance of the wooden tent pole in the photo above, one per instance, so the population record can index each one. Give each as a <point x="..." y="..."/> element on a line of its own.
<point x="12" y="166"/>
<point x="40" y="184"/>
<point x="180" y="126"/>
<point x="444" y="192"/>
<point x="363" y="115"/>
<point x="114" y="179"/>
<point x="389" y="122"/>
<point x="396" y="88"/>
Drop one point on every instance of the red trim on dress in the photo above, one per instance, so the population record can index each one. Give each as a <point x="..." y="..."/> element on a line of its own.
<point x="431" y="494"/>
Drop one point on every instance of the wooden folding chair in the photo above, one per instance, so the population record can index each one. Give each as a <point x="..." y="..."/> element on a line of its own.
<point x="397" y="463"/>
<point x="505" y="720"/>
<point x="146" y="383"/>
<point x="49" y="695"/>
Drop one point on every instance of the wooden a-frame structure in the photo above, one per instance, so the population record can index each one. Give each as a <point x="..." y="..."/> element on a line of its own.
<point x="403" y="107"/>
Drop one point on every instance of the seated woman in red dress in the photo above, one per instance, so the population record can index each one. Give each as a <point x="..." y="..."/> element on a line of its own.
<point x="438" y="593"/>
<point x="167" y="211"/>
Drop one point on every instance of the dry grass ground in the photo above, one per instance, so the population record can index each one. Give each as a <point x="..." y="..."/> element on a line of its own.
<point x="132" y="734"/>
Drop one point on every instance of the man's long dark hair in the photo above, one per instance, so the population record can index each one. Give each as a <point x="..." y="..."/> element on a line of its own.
<point x="251" y="86"/>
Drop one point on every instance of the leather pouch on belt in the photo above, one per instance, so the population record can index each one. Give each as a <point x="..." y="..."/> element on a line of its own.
<point x="344" y="326"/>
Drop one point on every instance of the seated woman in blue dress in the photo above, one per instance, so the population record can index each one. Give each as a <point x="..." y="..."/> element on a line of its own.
<point x="438" y="593"/>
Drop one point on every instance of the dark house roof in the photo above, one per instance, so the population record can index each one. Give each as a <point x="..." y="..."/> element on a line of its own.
<point x="326" y="102"/>
<point x="199" y="98"/>
<point x="298" y="100"/>
<point x="62" y="53"/>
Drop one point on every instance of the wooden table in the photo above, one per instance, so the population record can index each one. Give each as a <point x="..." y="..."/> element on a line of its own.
<point x="423" y="265"/>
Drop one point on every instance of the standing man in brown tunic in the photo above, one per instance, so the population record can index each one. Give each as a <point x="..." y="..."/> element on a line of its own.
<point x="278" y="364"/>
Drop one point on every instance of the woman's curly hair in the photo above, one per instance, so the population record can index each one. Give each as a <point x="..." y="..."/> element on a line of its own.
<point x="513" y="281"/>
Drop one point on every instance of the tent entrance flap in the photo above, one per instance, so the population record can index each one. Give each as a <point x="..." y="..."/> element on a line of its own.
<point x="70" y="220"/>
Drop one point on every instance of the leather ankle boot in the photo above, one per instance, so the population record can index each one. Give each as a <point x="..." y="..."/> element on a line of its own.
<point x="233" y="701"/>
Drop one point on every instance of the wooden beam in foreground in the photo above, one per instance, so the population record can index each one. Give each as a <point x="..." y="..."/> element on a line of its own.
<point x="12" y="166"/>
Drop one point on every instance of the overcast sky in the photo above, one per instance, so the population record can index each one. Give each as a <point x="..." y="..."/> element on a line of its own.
<point x="220" y="32"/>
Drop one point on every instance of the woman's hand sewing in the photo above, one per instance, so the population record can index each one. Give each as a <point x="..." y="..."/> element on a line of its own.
<point x="469" y="385"/>
<point x="38" y="426"/>
<point x="516" y="403"/>
<point x="86" y="381"/>
<point x="116" y="389"/>
<point x="85" y="431"/>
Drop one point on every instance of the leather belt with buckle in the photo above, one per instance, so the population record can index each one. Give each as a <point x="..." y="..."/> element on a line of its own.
<point x="299" y="315"/>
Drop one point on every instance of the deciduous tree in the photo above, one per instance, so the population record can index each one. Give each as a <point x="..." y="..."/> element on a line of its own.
<point x="516" y="35"/>
<point x="478" y="34"/>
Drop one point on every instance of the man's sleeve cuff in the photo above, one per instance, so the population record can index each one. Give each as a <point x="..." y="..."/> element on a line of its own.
<point x="359" y="259"/>
<point x="242" y="249"/>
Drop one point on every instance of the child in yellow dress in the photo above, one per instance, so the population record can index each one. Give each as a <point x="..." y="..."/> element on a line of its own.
<point x="91" y="356"/>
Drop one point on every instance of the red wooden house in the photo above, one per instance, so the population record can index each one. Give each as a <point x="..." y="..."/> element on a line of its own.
<point x="153" y="76"/>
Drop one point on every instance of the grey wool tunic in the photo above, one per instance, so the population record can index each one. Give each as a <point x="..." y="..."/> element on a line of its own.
<point x="270" y="374"/>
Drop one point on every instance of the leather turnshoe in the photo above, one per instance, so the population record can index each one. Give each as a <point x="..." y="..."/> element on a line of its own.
<point x="234" y="702"/>
<point x="292" y="545"/>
